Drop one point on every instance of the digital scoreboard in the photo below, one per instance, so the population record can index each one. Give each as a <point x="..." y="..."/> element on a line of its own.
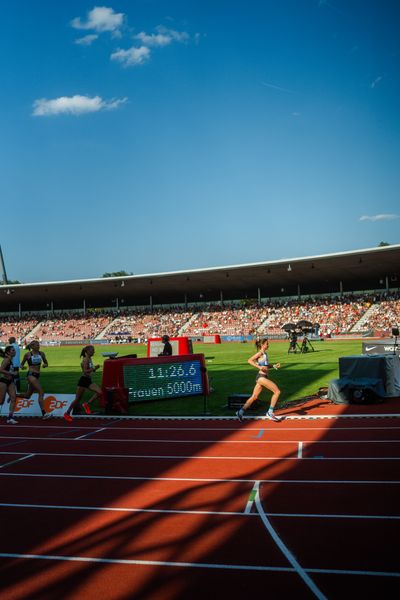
<point x="158" y="378"/>
<point x="163" y="380"/>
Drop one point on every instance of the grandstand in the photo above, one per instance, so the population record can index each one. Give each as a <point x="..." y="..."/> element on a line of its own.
<point x="346" y="293"/>
<point x="357" y="315"/>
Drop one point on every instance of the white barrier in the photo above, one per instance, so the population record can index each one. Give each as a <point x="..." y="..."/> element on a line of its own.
<point x="56" y="404"/>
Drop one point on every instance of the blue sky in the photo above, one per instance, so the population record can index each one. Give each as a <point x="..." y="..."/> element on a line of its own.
<point x="157" y="135"/>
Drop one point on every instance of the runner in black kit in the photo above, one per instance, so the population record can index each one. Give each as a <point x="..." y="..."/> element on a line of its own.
<point x="7" y="384"/>
<point x="85" y="383"/>
<point x="35" y="359"/>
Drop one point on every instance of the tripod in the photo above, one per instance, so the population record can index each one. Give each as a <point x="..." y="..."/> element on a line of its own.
<point x="306" y="345"/>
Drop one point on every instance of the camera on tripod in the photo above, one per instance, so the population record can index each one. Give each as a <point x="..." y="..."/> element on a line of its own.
<point x="306" y="328"/>
<point x="292" y="332"/>
<point x="302" y="328"/>
<point x="306" y="345"/>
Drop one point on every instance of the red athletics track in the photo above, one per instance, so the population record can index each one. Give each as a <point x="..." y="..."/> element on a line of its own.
<point x="169" y="509"/>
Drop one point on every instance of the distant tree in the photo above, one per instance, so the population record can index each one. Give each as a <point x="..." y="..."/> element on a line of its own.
<point x="383" y="244"/>
<point x="10" y="281"/>
<point x="117" y="274"/>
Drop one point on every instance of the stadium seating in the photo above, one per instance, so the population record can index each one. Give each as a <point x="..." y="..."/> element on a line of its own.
<point x="335" y="315"/>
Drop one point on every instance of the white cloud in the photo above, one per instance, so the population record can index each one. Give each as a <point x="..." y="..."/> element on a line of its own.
<point x="132" y="57"/>
<point x="176" y="36"/>
<point x="73" y="105"/>
<point x="388" y="217"/>
<point x="163" y="37"/>
<point x="100" y="19"/>
<point x="86" y="40"/>
<point x="375" y="82"/>
<point x="153" y="39"/>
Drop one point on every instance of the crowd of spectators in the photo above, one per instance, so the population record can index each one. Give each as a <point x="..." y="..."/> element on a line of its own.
<point x="143" y="324"/>
<point x="18" y="327"/>
<point x="383" y="316"/>
<point x="73" y="326"/>
<point x="229" y="319"/>
<point x="335" y="316"/>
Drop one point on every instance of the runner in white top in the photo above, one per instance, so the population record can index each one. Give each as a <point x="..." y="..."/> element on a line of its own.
<point x="261" y="362"/>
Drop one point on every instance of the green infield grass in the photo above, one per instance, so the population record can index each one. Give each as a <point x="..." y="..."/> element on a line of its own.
<point x="300" y="375"/>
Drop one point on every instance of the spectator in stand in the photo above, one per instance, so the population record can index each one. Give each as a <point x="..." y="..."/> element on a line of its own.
<point x="16" y="362"/>
<point x="7" y="381"/>
<point x="35" y="359"/>
<point x="85" y="383"/>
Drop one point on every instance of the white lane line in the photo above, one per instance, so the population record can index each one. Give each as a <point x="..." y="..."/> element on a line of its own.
<point x="335" y="516"/>
<point x="17" y="460"/>
<point x="196" y="457"/>
<point x="125" y="510"/>
<point x="124" y="419"/>
<point x="353" y="572"/>
<point x="203" y="512"/>
<point x="207" y="479"/>
<point x="85" y="435"/>
<point x="322" y="417"/>
<point x="166" y="457"/>
<point x="252" y="496"/>
<point x="121" y="561"/>
<point x="300" y="450"/>
<point x="228" y="429"/>
<point x="160" y="441"/>
<point x="285" y="550"/>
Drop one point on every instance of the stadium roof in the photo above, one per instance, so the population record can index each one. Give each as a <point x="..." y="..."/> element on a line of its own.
<point x="368" y="269"/>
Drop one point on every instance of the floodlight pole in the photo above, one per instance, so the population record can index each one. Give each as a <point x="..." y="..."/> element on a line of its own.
<point x="3" y="267"/>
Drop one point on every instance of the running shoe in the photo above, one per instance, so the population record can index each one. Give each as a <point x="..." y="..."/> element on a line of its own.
<point x="12" y="421"/>
<point x="273" y="417"/>
<point x="68" y="417"/>
<point x="239" y="415"/>
<point x="47" y="415"/>
<point x="86" y="408"/>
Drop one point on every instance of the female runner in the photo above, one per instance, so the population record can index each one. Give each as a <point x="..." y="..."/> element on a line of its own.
<point x="85" y="383"/>
<point x="35" y="359"/>
<point x="7" y="384"/>
<point x="260" y="361"/>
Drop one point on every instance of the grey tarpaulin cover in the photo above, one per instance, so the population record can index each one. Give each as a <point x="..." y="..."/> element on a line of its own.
<point x="340" y="390"/>
<point x="378" y="372"/>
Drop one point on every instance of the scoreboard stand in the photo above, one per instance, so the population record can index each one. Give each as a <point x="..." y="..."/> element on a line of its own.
<point x="130" y="381"/>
